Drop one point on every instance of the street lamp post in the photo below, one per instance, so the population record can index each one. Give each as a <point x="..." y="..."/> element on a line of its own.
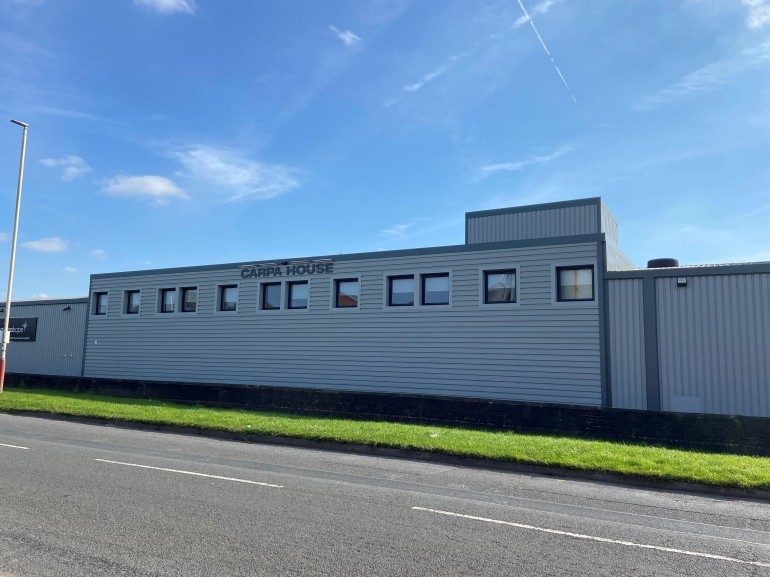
<point x="6" y="333"/>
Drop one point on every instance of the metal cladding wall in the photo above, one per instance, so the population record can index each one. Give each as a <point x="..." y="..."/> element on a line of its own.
<point x="558" y="219"/>
<point x="58" y="346"/>
<point x="609" y="223"/>
<point x="536" y="350"/>
<point x="626" y="344"/>
<point x="616" y="259"/>
<point x="714" y="344"/>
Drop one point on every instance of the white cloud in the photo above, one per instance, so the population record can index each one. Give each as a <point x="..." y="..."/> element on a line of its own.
<point x="168" y="6"/>
<point x="759" y="13"/>
<point x="347" y="37"/>
<point x="431" y="76"/>
<point x="3" y="236"/>
<point x="398" y="230"/>
<point x="41" y="296"/>
<point x="708" y="78"/>
<point x="541" y="8"/>
<point x="242" y="177"/>
<point x="99" y="253"/>
<point x="74" y="166"/>
<point x="49" y="244"/>
<point x="156" y="189"/>
<point x="418" y="226"/>
<point x="70" y="269"/>
<point x="519" y="164"/>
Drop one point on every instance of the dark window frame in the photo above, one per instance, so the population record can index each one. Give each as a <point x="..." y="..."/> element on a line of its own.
<point x="390" y="290"/>
<point x="162" y="300"/>
<point x="96" y="306"/>
<point x="559" y="270"/>
<point x="513" y="271"/>
<point x="221" y="298"/>
<point x="422" y="288"/>
<point x="290" y="289"/>
<point x="127" y="302"/>
<point x="182" y="300"/>
<point x="263" y="296"/>
<point x="337" y="283"/>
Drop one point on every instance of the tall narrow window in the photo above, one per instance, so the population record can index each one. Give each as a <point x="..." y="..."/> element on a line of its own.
<point x="401" y="291"/>
<point x="298" y="294"/>
<point x="132" y="300"/>
<point x="271" y="296"/>
<point x="189" y="299"/>
<point x="100" y="303"/>
<point x="575" y="283"/>
<point x="167" y="300"/>
<point x="228" y="298"/>
<point x="346" y="293"/>
<point x="500" y="286"/>
<point x="435" y="289"/>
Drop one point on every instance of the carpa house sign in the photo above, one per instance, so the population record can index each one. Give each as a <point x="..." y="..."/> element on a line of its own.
<point x="293" y="268"/>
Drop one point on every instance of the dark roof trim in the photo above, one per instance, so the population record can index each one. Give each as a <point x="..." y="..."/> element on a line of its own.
<point x="459" y="248"/>
<point x="32" y="302"/>
<point x="748" y="268"/>
<point x="596" y="200"/>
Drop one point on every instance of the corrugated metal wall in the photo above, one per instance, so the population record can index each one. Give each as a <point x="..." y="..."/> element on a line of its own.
<point x="626" y="344"/>
<point x="616" y="258"/>
<point x="714" y="344"/>
<point x="554" y="222"/>
<point x="538" y="351"/>
<point x="58" y="348"/>
<point x="609" y="223"/>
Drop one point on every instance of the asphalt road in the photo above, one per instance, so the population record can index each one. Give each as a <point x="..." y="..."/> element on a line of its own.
<point x="80" y="500"/>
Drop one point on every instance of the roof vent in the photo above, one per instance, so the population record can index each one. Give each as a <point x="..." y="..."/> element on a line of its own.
<point x="662" y="263"/>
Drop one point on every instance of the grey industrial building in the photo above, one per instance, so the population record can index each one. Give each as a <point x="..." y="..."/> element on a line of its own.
<point x="539" y="305"/>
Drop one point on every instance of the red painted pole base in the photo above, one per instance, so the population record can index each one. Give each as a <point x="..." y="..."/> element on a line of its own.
<point x="2" y="375"/>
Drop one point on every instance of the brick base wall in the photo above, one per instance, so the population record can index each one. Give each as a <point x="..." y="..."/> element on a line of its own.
<point x="714" y="433"/>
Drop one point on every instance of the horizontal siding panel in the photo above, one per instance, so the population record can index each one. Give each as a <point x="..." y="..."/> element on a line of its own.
<point x="534" y="351"/>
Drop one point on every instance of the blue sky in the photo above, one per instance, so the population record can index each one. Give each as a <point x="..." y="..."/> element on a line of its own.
<point x="183" y="132"/>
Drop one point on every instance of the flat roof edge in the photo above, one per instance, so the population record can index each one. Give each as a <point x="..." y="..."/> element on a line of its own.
<point x="457" y="248"/>
<point x="693" y="270"/>
<point x="55" y="301"/>
<point x="592" y="201"/>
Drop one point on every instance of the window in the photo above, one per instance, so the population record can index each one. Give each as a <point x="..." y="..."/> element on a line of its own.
<point x="132" y="300"/>
<point x="575" y="283"/>
<point x="100" y="303"/>
<point x="500" y="286"/>
<point x="228" y="297"/>
<point x="189" y="299"/>
<point x="167" y="300"/>
<point x="346" y="293"/>
<point x="298" y="292"/>
<point x="401" y="291"/>
<point x="435" y="289"/>
<point x="271" y="296"/>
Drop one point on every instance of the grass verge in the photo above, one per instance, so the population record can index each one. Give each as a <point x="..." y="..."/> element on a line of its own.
<point x="639" y="460"/>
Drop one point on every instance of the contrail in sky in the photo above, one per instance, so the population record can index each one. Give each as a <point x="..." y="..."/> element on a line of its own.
<point x="532" y="23"/>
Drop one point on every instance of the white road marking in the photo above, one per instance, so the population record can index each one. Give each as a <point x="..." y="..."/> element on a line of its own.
<point x="191" y="473"/>
<point x="594" y="538"/>
<point x="14" y="446"/>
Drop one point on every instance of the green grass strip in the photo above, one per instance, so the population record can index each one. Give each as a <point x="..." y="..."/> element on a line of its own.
<point x="646" y="461"/>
